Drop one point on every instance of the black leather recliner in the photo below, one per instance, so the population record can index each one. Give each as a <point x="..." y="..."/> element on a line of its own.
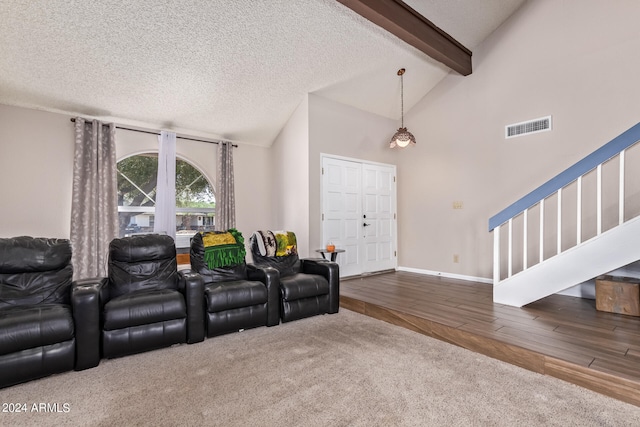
<point x="237" y="296"/>
<point x="308" y="287"/>
<point x="145" y="303"/>
<point x="37" y="324"/>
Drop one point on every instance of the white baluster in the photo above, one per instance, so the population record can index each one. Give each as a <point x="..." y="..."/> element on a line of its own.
<point x="496" y="255"/>
<point x="621" y="187"/>
<point x="559" y="220"/>
<point x="524" y="239"/>
<point x="541" y="230"/>
<point x="579" y="211"/>
<point x="510" y="249"/>
<point x="599" y="199"/>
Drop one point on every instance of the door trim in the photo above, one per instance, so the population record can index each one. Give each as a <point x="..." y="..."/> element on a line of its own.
<point x="324" y="156"/>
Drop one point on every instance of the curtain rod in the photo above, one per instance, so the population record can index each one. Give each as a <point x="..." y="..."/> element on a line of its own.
<point x="158" y="133"/>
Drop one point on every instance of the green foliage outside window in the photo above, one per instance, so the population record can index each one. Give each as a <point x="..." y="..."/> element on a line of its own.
<point x="137" y="182"/>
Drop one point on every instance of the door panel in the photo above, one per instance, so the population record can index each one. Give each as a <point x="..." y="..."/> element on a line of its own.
<point x="359" y="214"/>
<point x="379" y="191"/>
<point x="342" y="207"/>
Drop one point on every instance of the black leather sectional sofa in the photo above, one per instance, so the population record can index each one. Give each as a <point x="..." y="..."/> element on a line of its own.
<point x="39" y="334"/>
<point x="308" y="287"/>
<point x="236" y="297"/>
<point x="49" y="324"/>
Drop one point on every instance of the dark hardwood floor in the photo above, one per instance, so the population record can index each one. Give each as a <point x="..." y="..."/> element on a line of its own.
<point x="560" y="336"/>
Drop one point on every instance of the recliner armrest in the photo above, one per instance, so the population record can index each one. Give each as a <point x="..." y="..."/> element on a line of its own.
<point x="330" y="271"/>
<point x="87" y="300"/>
<point x="192" y="286"/>
<point x="271" y="278"/>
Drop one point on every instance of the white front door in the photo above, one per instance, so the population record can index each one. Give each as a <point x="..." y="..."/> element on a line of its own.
<point x="342" y="212"/>
<point x="378" y="212"/>
<point x="358" y="214"/>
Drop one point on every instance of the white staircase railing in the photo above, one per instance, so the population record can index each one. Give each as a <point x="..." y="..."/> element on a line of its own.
<point x="572" y="209"/>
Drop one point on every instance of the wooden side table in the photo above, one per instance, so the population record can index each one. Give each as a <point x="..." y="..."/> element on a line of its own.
<point x="334" y="253"/>
<point x="183" y="259"/>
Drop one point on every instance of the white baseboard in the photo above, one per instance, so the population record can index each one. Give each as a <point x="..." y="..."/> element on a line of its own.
<point x="447" y="275"/>
<point x="584" y="290"/>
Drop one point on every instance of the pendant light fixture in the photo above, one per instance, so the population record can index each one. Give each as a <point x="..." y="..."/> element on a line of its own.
<point x="402" y="137"/>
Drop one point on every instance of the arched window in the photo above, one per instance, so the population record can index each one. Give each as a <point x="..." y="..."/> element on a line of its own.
<point x="137" y="182"/>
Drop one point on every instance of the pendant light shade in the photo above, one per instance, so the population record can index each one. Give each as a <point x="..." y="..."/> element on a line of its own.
<point x="402" y="137"/>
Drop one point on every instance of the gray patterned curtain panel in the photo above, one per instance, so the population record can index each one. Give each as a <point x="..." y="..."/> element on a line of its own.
<point x="94" y="207"/>
<point x="225" y="194"/>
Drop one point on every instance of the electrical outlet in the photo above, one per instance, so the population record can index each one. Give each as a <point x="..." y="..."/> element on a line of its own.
<point x="457" y="204"/>
<point x="456" y="258"/>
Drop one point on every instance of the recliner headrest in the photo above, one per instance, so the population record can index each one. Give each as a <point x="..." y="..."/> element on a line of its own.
<point x="146" y="247"/>
<point x="27" y="254"/>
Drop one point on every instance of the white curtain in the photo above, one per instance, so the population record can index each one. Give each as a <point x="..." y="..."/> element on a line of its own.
<point x="165" y="217"/>
<point x="225" y="194"/>
<point x="94" y="205"/>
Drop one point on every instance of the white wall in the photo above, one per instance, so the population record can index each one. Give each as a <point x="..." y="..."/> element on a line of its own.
<point x="36" y="171"/>
<point x="320" y="126"/>
<point x="345" y="131"/>
<point x="252" y="168"/>
<point x="288" y="178"/>
<point x="575" y="60"/>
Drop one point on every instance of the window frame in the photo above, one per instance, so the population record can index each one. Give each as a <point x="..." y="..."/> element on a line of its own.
<point x="184" y="241"/>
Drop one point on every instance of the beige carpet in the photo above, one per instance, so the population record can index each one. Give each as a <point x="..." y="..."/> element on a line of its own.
<point x="336" y="370"/>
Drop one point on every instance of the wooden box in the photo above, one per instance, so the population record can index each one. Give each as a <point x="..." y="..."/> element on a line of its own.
<point x="618" y="295"/>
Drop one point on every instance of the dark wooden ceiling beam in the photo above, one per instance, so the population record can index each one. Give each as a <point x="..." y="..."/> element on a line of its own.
<point x="405" y="23"/>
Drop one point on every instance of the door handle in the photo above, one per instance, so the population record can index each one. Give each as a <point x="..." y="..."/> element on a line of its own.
<point x="365" y="224"/>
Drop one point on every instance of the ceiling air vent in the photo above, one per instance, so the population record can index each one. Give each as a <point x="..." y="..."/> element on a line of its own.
<point x="531" y="126"/>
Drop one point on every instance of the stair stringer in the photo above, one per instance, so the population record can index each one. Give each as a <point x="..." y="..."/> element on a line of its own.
<point x="601" y="254"/>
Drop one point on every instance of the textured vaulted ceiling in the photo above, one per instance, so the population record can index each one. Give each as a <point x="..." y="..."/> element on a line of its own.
<point x="233" y="69"/>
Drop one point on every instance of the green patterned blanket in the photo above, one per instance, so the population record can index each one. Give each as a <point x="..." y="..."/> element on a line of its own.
<point x="276" y="243"/>
<point x="223" y="249"/>
<point x="286" y="243"/>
